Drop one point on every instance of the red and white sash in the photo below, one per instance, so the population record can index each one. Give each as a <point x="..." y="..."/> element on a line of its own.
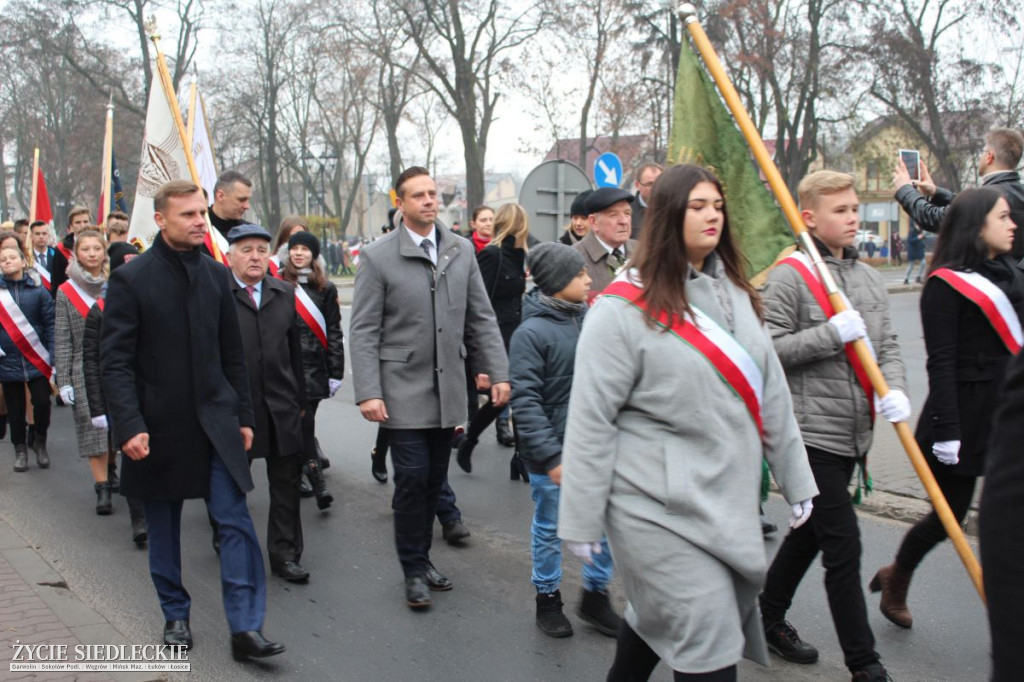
<point x="311" y="315"/>
<point x="22" y="334"/>
<point x="737" y="369"/>
<point x="82" y="301"/>
<point x="799" y="261"/>
<point x="993" y="302"/>
<point x="44" y="275"/>
<point x="64" y="250"/>
<point x="274" y="266"/>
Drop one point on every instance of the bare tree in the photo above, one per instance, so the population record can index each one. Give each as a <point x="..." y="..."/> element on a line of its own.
<point x="466" y="48"/>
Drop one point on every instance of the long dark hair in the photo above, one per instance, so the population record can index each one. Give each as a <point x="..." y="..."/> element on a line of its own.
<point x="661" y="257"/>
<point x="960" y="246"/>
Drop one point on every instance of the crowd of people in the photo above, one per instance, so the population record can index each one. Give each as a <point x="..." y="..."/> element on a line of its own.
<point x="640" y="380"/>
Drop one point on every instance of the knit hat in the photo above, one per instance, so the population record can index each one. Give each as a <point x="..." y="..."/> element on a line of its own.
<point x="553" y="265"/>
<point x="120" y="253"/>
<point x="307" y="239"/>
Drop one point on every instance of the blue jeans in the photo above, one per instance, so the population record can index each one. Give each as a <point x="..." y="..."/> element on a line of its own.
<point x="546" y="548"/>
<point x="910" y="269"/>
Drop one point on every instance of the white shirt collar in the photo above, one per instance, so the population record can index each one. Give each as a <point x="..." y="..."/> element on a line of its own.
<point x="258" y="287"/>
<point x="610" y="249"/>
<point x="418" y="239"/>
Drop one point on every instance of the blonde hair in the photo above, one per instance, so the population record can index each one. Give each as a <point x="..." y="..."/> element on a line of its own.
<point x="511" y="221"/>
<point x="821" y="183"/>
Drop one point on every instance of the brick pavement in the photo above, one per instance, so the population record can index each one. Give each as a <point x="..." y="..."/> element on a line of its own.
<point x="38" y="607"/>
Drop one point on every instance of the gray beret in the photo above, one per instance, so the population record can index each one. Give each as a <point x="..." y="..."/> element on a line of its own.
<point x="605" y="197"/>
<point x="553" y="265"/>
<point x="239" y="232"/>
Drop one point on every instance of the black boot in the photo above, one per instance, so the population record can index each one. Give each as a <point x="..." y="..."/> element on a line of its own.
<point x="30" y="435"/>
<point x="504" y="432"/>
<point x="138" y="515"/>
<point x="104" y="505"/>
<point x="3" y="426"/>
<point x="378" y="466"/>
<point x="325" y="463"/>
<point x="465" y="453"/>
<point x="42" y="456"/>
<point x="20" y="458"/>
<point x="324" y="499"/>
<point x="112" y="479"/>
<point x="596" y="609"/>
<point x="550" y="619"/>
<point x="517" y="469"/>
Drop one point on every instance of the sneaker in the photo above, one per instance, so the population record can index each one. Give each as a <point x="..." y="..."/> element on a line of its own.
<point x="550" y="619"/>
<point x="875" y="672"/>
<point x="784" y="641"/>
<point x="595" y="609"/>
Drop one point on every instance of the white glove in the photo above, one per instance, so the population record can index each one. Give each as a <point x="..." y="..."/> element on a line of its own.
<point x="332" y="386"/>
<point x="584" y="550"/>
<point x="67" y="394"/>
<point x="895" y="406"/>
<point x="100" y="422"/>
<point x="801" y="512"/>
<point x="849" y="324"/>
<point x="947" y="452"/>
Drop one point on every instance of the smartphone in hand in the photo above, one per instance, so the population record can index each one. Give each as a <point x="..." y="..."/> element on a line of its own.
<point x="912" y="160"/>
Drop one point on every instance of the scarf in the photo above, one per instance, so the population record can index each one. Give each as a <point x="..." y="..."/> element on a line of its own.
<point x="562" y="305"/>
<point x="304" y="274"/>
<point x="479" y="243"/>
<point x="90" y="284"/>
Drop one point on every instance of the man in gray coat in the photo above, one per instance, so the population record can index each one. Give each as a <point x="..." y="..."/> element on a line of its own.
<point x="420" y="309"/>
<point x="607" y="246"/>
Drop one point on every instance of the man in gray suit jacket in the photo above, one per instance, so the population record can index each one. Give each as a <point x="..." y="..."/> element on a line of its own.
<point x="420" y="309"/>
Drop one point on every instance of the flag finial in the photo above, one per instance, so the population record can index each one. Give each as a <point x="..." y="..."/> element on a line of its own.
<point x="151" y="29"/>
<point x="687" y="12"/>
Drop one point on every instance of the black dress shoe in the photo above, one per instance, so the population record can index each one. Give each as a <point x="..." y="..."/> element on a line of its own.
<point x="291" y="571"/>
<point x="417" y="592"/>
<point x="253" y="644"/>
<point x="436" y="581"/>
<point x="177" y="633"/>
<point x="378" y="466"/>
<point x="454" y="532"/>
<point x="139" y="534"/>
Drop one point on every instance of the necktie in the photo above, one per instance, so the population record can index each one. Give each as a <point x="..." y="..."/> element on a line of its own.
<point x="617" y="255"/>
<point x="251" y="290"/>
<point x="41" y="259"/>
<point x="425" y="245"/>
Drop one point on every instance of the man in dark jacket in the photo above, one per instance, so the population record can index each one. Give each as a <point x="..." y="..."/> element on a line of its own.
<point x="645" y="177"/>
<point x="173" y="371"/>
<point x="273" y="356"/>
<point x="78" y="220"/>
<point x="231" y="197"/>
<point x="1001" y="533"/>
<point x="997" y="167"/>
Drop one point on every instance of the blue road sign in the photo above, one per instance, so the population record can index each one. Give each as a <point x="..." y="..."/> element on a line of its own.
<point x="608" y="170"/>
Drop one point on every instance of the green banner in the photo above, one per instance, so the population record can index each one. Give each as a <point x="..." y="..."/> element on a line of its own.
<point x="703" y="133"/>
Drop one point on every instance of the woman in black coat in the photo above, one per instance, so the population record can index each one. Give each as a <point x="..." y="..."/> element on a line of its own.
<point x="323" y="350"/>
<point x="503" y="270"/>
<point x="967" y="361"/>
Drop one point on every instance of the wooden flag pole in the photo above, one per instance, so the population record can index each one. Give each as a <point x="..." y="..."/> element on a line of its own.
<point x="108" y="153"/>
<point x="191" y="131"/>
<point x="688" y="14"/>
<point x="35" y="187"/>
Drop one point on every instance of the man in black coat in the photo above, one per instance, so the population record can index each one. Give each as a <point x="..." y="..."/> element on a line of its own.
<point x="231" y="197"/>
<point x="997" y="168"/>
<point x="78" y="220"/>
<point x="273" y="356"/>
<point x="1001" y="532"/>
<point x="174" y="376"/>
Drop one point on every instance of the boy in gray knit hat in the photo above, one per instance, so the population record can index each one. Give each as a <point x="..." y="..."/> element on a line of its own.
<point x="541" y="358"/>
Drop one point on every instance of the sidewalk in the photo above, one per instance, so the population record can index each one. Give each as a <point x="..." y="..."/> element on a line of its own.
<point x="38" y="607"/>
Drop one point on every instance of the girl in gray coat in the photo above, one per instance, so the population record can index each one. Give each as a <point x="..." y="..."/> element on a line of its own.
<point x="677" y="395"/>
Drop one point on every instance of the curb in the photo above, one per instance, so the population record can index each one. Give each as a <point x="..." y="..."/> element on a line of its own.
<point x="57" y="615"/>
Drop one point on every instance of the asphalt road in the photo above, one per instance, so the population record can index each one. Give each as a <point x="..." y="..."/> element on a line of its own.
<point x="350" y="622"/>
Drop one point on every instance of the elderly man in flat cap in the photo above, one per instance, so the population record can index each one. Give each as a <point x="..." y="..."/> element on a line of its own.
<point x="273" y="356"/>
<point x="607" y="246"/>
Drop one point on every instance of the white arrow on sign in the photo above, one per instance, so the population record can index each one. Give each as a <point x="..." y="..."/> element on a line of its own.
<point x="609" y="173"/>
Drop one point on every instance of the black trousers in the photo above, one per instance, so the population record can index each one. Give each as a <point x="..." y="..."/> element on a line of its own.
<point x="832" y="530"/>
<point x="14" y="394"/>
<point x="284" y="520"/>
<point x="929" y="531"/>
<point x="635" y="661"/>
<point x="309" y="431"/>
<point x="420" y="460"/>
<point x="447" y="510"/>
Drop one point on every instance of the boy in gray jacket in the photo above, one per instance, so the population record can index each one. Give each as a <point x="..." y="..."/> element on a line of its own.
<point x="835" y="410"/>
<point x="541" y="358"/>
